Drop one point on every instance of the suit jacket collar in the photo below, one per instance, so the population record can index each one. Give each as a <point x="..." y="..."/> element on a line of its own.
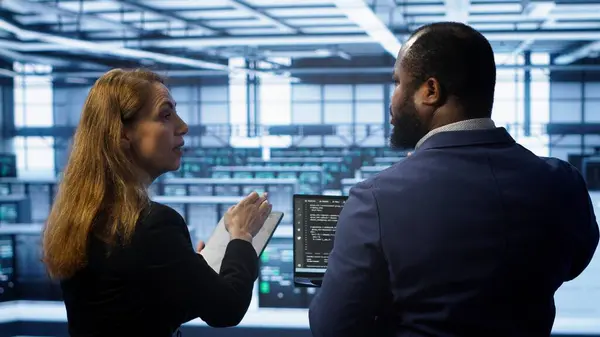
<point x="467" y="124"/>
<point x="467" y="138"/>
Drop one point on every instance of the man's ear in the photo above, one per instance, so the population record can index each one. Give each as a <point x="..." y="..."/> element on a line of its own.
<point x="430" y="93"/>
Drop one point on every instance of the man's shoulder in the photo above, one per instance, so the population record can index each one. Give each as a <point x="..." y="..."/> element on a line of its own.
<point x="562" y="170"/>
<point x="558" y="164"/>
<point x="384" y="179"/>
<point x="413" y="171"/>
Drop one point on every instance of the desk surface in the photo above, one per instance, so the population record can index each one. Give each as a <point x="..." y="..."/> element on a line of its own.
<point x="388" y="160"/>
<point x="13" y="197"/>
<point x="21" y="228"/>
<point x="374" y="168"/>
<point x="196" y="199"/>
<point x="39" y="311"/>
<point x="228" y="181"/>
<point x="267" y="169"/>
<point x="40" y="181"/>
<point x="48" y="311"/>
<point x="351" y="181"/>
<point x="282" y="231"/>
<point x="321" y="160"/>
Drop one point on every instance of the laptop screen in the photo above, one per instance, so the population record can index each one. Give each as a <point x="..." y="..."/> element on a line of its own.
<point x="315" y="220"/>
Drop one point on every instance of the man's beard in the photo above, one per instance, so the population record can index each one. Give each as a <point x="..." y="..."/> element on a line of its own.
<point x="408" y="129"/>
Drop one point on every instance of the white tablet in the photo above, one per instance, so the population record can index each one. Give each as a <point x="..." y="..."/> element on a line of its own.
<point x="214" y="251"/>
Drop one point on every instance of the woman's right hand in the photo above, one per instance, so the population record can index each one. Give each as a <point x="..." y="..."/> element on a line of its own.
<point x="244" y="220"/>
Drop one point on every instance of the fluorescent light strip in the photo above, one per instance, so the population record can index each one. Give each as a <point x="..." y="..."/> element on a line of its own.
<point x="358" y="12"/>
<point x="457" y="10"/>
<point x="539" y="10"/>
<point x="123" y="52"/>
<point x="578" y="54"/>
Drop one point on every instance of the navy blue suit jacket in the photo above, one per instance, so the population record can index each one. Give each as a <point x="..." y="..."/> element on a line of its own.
<point x="470" y="236"/>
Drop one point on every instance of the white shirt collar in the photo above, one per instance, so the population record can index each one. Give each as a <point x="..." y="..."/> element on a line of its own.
<point x="466" y="125"/>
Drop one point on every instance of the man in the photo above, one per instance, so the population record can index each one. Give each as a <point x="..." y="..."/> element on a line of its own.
<point x="472" y="234"/>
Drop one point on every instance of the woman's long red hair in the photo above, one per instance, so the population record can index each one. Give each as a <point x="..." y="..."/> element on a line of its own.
<point x="99" y="181"/>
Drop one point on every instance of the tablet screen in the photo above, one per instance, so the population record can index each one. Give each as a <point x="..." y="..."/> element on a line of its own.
<point x="215" y="248"/>
<point x="315" y="220"/>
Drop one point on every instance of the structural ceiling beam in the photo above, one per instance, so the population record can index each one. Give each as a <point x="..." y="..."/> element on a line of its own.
<point x="46" y="8"/>
<point x="359" y="12"/>
<point x="134" y="5"/>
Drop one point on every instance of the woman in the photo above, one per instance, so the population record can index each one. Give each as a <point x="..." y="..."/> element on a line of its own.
<point x="126" y="264"/>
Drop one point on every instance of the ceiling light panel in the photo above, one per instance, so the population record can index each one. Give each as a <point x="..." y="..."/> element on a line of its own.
<point x="187" y="32"/>
<point x="161" y="25"/>
<point x="305" y="12"/>
<point x="235" y="23"/>
<point x="186" y="4"/>
<point x="342" y="20"/>
<point x="281" y="3"/>
<point x="40" y="19"/>
<point x="574" y="25"/>
<point x="361" y="14"/>
<point x="216" y="14"/>
<point x="500" y="7"/>
<point x="256" y="31"/>
<point x="492" y="26"/>
<point x="90" y="6"/>
<point x="325" y="30"/>
<point x="129" y="16"/>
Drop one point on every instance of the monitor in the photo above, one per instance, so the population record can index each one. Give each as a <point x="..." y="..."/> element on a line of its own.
<point x="221" y="174"/>
<point x="192" y="168"/>
<point x="7" y="268"/>
<point x="276" y="287"/>
<point x="287" y="175"/>
<point x="224" y="160"/>
<point x="202" y="219"/>
<point x="260" y="189"/>
<point x="227" y="190"/>
<point x="175" y="190"/>
<point x="265" y="175"/>
<point x="315" y="220"/>
<point x="8" y="165"/>
<point x="33" y="282"/>
<point x="310" y="177"/>
<point x="40" y="197"/>
<point x="199" y="189"/>
<point x="9" y="213"/>
<point x="243" y="175"/>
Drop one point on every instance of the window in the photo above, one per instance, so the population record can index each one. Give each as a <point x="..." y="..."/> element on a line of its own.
<point x="508" y="97"/>
<point x="540" y="58"/>
<point x="33" y="99"/>
<point x="274" y="105"/>
<point x="238" y="107"/>
<point x="32" y="96"/>
<point x="275" y="108"/>
<point x="509" y="100"/>
<point x="35" y="156"/>
<point x="538" y="142"/>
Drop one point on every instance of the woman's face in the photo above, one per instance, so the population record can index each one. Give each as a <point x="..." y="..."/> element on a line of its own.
<point x="155" y="138"/>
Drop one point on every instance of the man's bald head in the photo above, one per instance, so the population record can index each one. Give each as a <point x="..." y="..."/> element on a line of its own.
<point x="459" y="57"/>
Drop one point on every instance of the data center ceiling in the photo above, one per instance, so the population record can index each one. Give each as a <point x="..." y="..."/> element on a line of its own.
<point x="201" y="36"/>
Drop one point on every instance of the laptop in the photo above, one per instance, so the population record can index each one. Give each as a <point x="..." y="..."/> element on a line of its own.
<point x="315" y="221"/>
